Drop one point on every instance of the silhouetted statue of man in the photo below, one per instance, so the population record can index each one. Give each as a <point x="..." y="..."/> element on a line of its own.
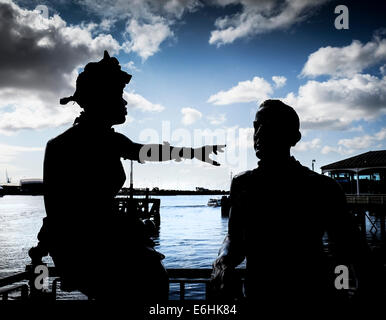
<point x="279" y="214"/>
<point x="95" y="250"/>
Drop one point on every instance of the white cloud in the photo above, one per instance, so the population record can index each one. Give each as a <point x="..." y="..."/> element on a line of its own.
<point x="178" y="7"/>
<point x="351" y="145"/>
<point x="24" y="109"/>
<point x="280" y="81"/>
<point x="382" y="69"/>
<point x="380" y="135"/>
<point x="308" y="145"/>
<point x="106" y="24"/>
<point x="130" y="66"/>
<point x="146" y="38"/>
<point x="44" y="42"/>
<point x="337" y="149"/>
<point x="9" y="152"/>
<point x="345" y="61"/>
<point x="256" y="90"/>
<point x="136" y="101"/>
<point x="190" y="115"/>
<point x="147" y="9"/>
<point x="148" y="22"/>
<point x="217" y="119"/>
<point x="356" y="129"/>
<point x="349" y="95"/>
<point x="362" y="142"/>
<point x="30" y="88"/>
<point x="336" y="103"/>
<point x="258" y="17"/>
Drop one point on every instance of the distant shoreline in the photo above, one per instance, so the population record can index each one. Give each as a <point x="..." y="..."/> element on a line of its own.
<point x="161" y="192"/>
<point x="16" y="191"/>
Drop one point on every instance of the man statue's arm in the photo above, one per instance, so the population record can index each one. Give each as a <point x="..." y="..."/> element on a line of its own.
<point x="344" y="236"/>
<point x="232" y="251"/>
<point x="224" y="281"/>
<point x="348" y="245"/>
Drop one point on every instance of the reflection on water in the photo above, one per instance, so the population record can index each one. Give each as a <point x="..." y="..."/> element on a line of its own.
<point x="190" y="234"/>
<point x="20" y="221"/>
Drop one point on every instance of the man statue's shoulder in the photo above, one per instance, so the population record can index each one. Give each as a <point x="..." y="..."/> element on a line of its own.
<point x="243" y="178"/>
<point x="322" y="182"/>
<point x="245" y="175"/>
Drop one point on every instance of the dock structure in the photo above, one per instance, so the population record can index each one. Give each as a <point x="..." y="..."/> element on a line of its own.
<point x="371" y="208"/>
<point x="144" y="208"/>
<point x="23" y="283"/>
<point x="363" y="179"/>
<point x="225" y="206"/>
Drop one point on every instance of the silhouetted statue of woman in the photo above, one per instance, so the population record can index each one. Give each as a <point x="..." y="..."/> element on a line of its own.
<point x="92" y="249"/>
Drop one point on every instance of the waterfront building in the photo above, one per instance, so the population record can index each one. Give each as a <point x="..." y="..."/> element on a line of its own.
<point x="362" y="174"/>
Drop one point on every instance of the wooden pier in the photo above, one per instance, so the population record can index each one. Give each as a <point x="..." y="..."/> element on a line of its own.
<point x="363" y="207"/>
<point x="374" y="201"/>
<point x="354" y="202"/>
<point x="225" y="206"/>
<point x="23" y="283"/>
<point x="144" y="208"/>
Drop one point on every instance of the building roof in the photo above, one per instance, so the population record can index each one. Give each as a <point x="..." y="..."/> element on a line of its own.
<point x="365" y="160"/>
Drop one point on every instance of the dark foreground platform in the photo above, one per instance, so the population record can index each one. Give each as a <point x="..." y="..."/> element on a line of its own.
<point x="23" y="283"/>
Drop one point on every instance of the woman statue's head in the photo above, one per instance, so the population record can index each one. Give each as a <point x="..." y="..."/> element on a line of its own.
<point x="99" y="90"/>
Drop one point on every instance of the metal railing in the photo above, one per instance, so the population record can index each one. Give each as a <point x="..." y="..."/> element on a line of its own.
<point x="179" y="276"/>
<point x="23" y="288"/>
<point x="366" y="199"/>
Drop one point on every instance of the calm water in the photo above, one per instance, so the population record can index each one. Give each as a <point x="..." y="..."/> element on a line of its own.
<point x="190" y="234"/>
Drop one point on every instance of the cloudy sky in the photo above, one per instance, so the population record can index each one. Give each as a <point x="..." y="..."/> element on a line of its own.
<point x="200" y="68"/>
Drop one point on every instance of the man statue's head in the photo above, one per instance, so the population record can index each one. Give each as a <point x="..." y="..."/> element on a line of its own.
<point x="276" y="130"/>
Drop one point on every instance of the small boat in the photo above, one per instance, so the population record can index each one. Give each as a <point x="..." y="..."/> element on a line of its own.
<point x="214" y="203"/>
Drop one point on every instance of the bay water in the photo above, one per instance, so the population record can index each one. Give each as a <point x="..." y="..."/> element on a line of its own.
<point x="190" y="235"/>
